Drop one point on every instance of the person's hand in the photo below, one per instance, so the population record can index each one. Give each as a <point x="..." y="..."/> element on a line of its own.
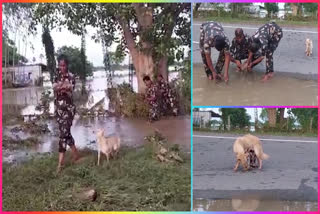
<point x="249" y="68"/>
<point x="226" y="78"/>
<point x="238" y="63"/>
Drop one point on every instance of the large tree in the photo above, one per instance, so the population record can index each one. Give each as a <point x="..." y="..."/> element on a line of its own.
<point x="150" y="32"/>
<point x="76" y="64"/>
<point x="307" y="117"/>
<point x="239" y="117"/>
<point x="271" y="8"/>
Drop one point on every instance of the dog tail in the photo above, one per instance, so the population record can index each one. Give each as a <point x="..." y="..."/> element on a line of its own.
<point x="265" y="156"/>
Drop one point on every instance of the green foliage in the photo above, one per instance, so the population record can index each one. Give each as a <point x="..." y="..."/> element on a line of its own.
<point x="304" y="115"/>
<point x="126" y="102"/>
<point x="238" y="117"/>
<point x="49" y="49"/>
<point x="272" y="8"/>
<point x="75" y="61"/>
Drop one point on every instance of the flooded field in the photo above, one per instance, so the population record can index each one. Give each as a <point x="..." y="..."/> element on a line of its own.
<point x="252" y="205"/>
<point x="23" y="101"/>
<point x="247" y="90"/>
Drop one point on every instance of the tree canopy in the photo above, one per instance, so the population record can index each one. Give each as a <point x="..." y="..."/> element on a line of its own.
<point x="239" y="117"/>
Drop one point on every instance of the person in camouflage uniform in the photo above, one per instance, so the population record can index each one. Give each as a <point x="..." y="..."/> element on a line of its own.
<point x="63" y="87"/>
<point x="212" y="35"/>
<point x="267" y="39"/>
<point x="239" y="49"/>
<point x="168" y="97"/>
<point x="151" y="98"/>
<point x="252" y="159"/>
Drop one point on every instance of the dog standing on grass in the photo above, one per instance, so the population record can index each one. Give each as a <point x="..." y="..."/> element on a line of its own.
<point x="244" y="144"/>
<point x="309" y="47"/>
<point x="109" y="146"/>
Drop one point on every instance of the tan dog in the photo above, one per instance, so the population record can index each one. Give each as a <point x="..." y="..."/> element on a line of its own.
<point x="309" y="47"/>
<point x="109" y="146"/>
<point x="241" y="147"/>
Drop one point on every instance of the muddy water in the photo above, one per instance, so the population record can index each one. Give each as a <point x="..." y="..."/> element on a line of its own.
<point x="253" y="205"/>
<point x="247" y="90"/>
<point x="23" y="101"/>
<point x="131" y="131"/>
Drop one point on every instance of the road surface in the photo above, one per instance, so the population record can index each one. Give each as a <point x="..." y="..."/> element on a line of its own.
<point x="291" y="173"/>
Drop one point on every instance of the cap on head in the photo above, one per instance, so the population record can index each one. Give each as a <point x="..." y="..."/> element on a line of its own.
<point x="219" y="43"/>
<point x="238" y="32"/>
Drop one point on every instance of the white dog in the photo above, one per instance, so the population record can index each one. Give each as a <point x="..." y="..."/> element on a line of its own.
<point x="309" y="47"/>
<point x="109" y="146"/>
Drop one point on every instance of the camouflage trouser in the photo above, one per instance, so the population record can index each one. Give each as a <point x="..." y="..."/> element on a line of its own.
<point x="219" y="65"/>
<point x="154" y="113"/>
<point x="252" y="159"/>
<point x="272" y="46"/>
<point x="171" y="102"/>
<point x="65" y="117"/>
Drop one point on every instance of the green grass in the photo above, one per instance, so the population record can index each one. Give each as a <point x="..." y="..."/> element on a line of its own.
<point x="134" y="181"/>
<point x="260" y="132"/>
<point x="245" y="20"/>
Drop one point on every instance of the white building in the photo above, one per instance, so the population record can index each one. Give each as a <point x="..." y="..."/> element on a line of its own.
<point x="22" y="73"/>
<point x="202" y="118"/>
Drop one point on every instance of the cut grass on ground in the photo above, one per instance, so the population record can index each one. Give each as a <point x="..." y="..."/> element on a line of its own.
<point x="134" y="181"/>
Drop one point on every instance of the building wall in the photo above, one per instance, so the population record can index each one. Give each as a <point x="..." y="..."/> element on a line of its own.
<point x="12" y="73"/>
<point x="201" y="116"/>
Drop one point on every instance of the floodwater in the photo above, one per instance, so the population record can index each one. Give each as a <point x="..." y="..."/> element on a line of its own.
<point x="248" y="90"/>
<point x="253" y="205"/>
<point x="131" y="132"/>
<point x="22" y="101"/>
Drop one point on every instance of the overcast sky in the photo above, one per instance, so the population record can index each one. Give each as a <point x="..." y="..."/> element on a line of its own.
<point x="250" y="111"/>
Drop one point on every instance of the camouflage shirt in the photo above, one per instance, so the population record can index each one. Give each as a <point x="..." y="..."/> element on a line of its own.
<point x="64" y="98"/>
<point x="269" y="34"/>
<point x="241" y="48"/>
<point x="208" y="32"/>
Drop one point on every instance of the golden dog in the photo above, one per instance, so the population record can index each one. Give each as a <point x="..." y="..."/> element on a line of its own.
<point x="244" y="144"/>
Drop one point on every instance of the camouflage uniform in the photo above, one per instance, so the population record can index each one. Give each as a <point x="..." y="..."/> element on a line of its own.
<point x="269" y="35"/>
<point x="252" y="159"/>
<point x="208" y="32"/>
<point x="64" y="112"/>
<point x="168" y="98"/>
<point x="240" y="51"/>
<point x="152" y="92"/>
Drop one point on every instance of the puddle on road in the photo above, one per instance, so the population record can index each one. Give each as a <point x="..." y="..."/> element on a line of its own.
<point x="248" y="90"/>
<point x="252" y="205"/>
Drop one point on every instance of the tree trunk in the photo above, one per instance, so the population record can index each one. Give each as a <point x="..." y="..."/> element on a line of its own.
<point x="272" y="116"/>
<point x="163" y="67"/>
<point x="142" y="59"/>
<point x="311" y="121"/>
<point x="281" y="118"/>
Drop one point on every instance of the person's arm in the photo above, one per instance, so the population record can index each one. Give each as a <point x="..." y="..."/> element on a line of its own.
<point x="226" y="65"/>
<point x="210" y="65"/>
<point x="250" y="57"/>
<point x="256" y="61"/>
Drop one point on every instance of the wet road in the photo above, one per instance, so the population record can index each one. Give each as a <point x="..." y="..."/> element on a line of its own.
<point x="294" y="82"/>
<point x="289" y="56"/>
<point x="291" y="173"/>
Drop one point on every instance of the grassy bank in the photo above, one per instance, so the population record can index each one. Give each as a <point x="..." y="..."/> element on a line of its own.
<point x="134" y="181"/>
<point x="252" y="20"/>
<point x="260" y="132"/>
